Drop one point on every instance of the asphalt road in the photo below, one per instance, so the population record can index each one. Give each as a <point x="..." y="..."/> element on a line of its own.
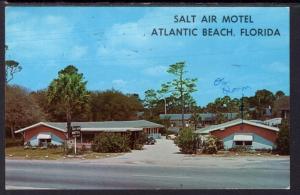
<point x="78" y="175"/>
<point x="158" y="166"/>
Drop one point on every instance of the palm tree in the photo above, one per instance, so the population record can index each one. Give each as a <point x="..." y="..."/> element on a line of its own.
<point x="68" y="90"/>
<point x="196" y="118"/>
<point x="264" y="99"/>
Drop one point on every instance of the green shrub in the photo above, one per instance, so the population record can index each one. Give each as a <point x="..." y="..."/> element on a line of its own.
<point x="283" y="140"/>
<point x="137" y="141"/>
<point x="241" y="148"/>
<point x="187" y="140"/>
<point x="50" y="145"/>
<point x="111" y="142"/>
<point x="211" y="145"/>
<point x="69" y="150"/>
<point x="9" y="142"/>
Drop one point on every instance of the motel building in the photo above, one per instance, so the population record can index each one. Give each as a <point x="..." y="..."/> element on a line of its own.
<point x="243" y="132"/>
<point x="56" y="132"/>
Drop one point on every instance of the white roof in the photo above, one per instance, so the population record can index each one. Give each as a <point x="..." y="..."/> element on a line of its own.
<point x="242" y="137"/>
<point x="222" y="126"/>
<point x="107" y="126"/>
<point x="40" y="123"/>
<point x="43" y="136"/>
<point x="273" y="119"/>
<point x="112" y="129"/>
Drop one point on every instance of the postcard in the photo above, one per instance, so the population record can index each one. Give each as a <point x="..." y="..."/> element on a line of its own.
<point x="138" y="97"/>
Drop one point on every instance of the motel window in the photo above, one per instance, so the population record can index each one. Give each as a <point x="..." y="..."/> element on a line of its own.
<point x="238" y="143"/>
<point x="44" y="142"/>
<point x="241" y="143"/>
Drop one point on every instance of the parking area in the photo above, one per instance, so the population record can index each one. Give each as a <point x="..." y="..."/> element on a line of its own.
<point x="166" y="153"/>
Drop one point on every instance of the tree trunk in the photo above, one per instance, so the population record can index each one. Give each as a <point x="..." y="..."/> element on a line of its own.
<point x="182" y="110"/>
<point x="165" y="106"/>
<point x="12" y="132"/>
<point x="182" y="100"/>
<point x="69" y="127"/>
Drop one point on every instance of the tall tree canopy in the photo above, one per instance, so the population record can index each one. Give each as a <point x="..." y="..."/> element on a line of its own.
<point x="114" y="105"/>
<point x="151" y="100"/>
<point x="263" y="100"/>
<point x="279" y="94"/>
<point x="180" y="86"/>
<point x="68" y="90"/>
<point x="55" y="111"/>
<point x="20" y="109"/>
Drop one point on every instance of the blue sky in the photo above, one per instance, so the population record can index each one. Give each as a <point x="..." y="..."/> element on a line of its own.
<point x="113" y="48"/>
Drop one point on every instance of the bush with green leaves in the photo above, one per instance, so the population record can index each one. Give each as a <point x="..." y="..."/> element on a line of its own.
<point x="241" y="148"/>
<point x="212" y="144"/>
<point x="111" y="142"/>
<point x="137" y="140"/>
<point x="283" y="140"/>
<point x="188" y="141"/>
<point x="69" y="151"/>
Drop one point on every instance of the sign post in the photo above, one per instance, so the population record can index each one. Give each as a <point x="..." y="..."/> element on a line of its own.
<point x="76" y="132"/>
<point x="75" y="145"/>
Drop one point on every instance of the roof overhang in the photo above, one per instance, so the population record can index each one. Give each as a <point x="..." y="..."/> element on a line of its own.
<point x="261" y="125"/>
<point x="38" y="124"/>
<point x="111" y="129"/>
<point x="241" y="137"/>
<point x="237" y="122"/>
<point x="43" y="136"/>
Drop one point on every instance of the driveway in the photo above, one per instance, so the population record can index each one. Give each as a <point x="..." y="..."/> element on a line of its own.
<point x="166" y="153"/>
<point x="162" y="152"/>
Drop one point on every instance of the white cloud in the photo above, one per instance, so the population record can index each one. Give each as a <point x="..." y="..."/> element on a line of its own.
<point x="156" y="70"/>
<point x="131" y="44"/>
<point x="78" y="52"/>
<point x="277" y="67"/>
<point x="119" y="83"/>
<point x="38" y="36"/>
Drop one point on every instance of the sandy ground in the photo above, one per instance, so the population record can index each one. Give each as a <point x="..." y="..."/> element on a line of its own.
<point x="166" y="153"/>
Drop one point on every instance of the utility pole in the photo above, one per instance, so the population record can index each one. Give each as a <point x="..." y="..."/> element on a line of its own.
<point x="242" y="107"/>
<point x="165" y="105"/>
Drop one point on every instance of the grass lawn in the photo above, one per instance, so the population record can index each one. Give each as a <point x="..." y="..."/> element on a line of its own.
<point x="50" y="154"/>
<point x="240" y="153"/>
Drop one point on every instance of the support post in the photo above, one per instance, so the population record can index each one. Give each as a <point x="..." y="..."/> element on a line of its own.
<point x="75" y="145"/>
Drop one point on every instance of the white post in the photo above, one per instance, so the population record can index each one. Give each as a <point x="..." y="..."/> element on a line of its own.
<point x="75" y="145"/>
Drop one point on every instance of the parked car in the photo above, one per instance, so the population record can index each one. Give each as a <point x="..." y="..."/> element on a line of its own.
<point x="150" y="141"/>
<point x="172" y="137"/>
